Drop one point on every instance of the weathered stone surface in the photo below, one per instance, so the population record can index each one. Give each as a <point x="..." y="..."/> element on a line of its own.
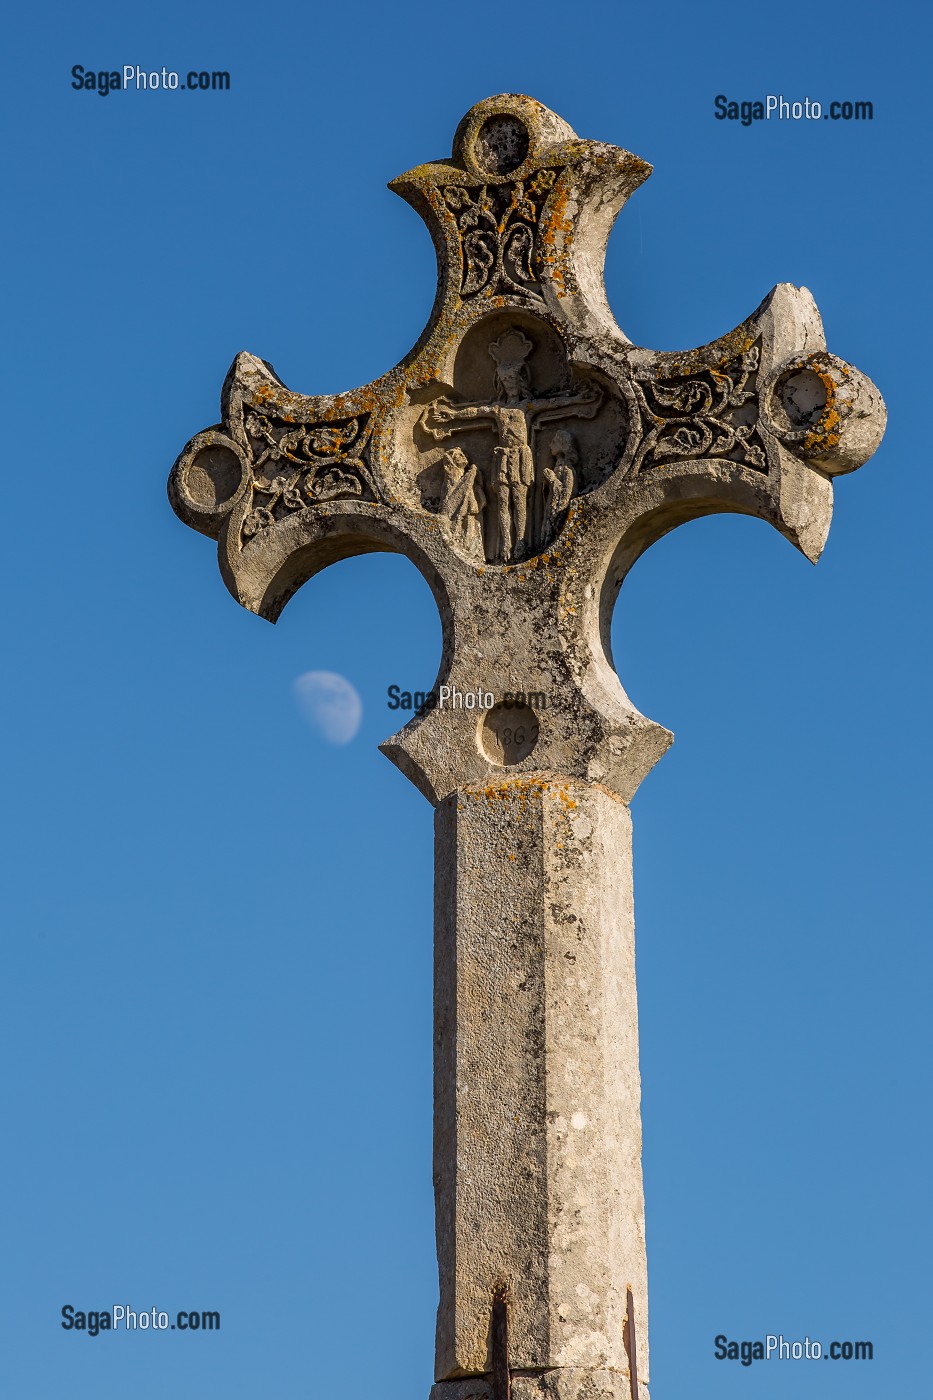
<point x="537" y="1126"/>
<point x="523" y="455"/>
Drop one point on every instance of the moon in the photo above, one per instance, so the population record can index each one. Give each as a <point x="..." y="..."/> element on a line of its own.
<point x="330" y="704"/>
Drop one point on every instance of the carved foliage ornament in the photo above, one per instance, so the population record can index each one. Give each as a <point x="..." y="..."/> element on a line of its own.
<point x="498" y="227"/>
<point x="710" y="413"/>
<point x="294" y="466"/>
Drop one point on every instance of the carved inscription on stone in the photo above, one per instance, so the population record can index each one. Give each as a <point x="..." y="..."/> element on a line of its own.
<point x="503" y="451"/>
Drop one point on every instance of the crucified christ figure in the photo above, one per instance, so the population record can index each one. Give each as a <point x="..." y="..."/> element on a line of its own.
<point x="513" y="418"/>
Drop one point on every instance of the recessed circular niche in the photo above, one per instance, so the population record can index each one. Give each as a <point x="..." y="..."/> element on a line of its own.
<point x="508" y="733"/>
<point x="501" y="144"/>
<point x="798" y="399"/>
<point x="212" y="477"/>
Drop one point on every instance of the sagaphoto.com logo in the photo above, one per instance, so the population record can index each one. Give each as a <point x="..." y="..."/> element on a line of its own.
<point x="130" y="77"/>
<point x="777" y="107"/>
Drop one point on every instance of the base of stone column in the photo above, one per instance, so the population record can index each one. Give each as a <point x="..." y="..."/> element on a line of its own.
<point x="560" y="1383"/>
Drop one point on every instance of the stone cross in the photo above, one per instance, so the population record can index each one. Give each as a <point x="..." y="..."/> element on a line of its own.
<point x="523" y="455"/>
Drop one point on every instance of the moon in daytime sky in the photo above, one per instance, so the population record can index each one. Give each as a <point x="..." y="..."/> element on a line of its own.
<point x="330" y="704"/>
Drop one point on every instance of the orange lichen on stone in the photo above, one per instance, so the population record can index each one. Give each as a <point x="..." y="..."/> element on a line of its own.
<point x="711" y="359"/>
<point x="559" y="224"/>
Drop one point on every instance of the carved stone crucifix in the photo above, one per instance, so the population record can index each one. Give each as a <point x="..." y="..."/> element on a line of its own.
<point x="514" y="479"/>
<point x="524" y="536"/>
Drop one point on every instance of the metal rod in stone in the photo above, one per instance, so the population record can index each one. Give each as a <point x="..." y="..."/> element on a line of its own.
<point x="630" y="1343"/>
<point x="500" y="1379"/>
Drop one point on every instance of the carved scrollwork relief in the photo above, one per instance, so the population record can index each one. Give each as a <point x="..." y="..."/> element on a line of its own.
<point x="296" y="465"/>
<point x="498" y="227"/>
<point x="708" y="413"/>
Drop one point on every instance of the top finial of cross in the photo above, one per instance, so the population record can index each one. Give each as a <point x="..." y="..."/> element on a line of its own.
<point x="523" y="208"/>
<point x="525" y="453"/>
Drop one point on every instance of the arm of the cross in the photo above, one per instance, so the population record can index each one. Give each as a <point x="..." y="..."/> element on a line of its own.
<point x="441" y="418"/>
<point x="521" y="339"/>
<point x="758" y="423"/>
<point x="583" y="405"/>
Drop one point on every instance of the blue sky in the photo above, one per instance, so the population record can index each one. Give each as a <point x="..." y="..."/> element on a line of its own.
<point x="216" y="1019"/>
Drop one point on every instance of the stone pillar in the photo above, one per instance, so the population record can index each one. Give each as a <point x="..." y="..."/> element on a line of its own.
<point x="537" y="1090"/>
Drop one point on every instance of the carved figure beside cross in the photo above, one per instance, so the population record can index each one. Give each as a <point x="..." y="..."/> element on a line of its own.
<point x="464" y="499"/>
<point x="574" y="451"/>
